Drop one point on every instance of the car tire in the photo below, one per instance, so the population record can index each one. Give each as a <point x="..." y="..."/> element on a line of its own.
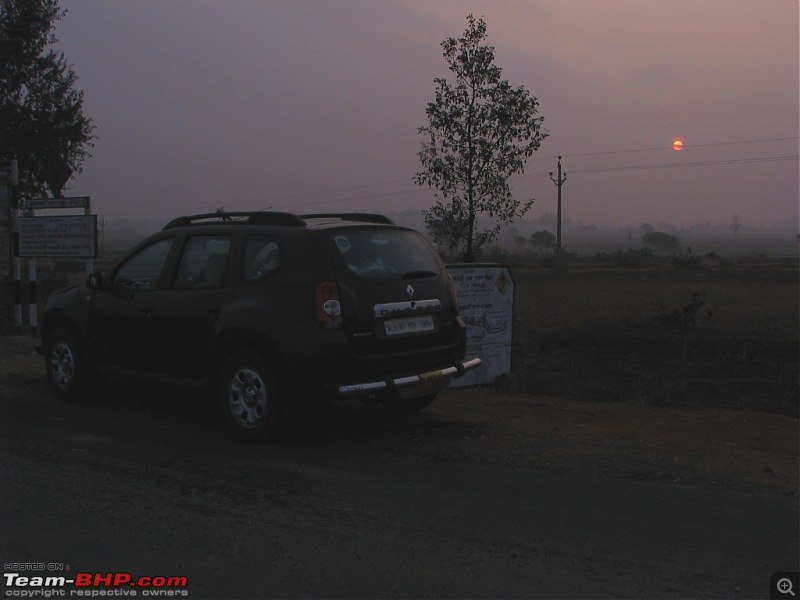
<point x="65" y="364"/>
<point x="410" y="406"/>
<point x="248" y="397"/>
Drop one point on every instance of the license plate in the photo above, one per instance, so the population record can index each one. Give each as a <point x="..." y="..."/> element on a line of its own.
<point x="423" y="389"/>
<point x="409" y="325"/>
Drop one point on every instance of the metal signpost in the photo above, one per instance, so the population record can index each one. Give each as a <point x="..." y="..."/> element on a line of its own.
<point x="5" y="224"/>
<point x="9" y="182"/>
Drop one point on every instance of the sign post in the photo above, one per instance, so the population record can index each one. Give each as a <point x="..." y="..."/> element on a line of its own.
<point x="54" y="237"/>
<point x="5" y="223"/>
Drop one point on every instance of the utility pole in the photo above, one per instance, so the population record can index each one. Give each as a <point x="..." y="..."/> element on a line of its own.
<point x="559" y="182"/>
<point x="103" y="223"/>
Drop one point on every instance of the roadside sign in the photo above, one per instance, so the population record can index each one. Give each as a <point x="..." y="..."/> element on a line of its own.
<point x="486" y="303"/>
<point x="56" y="173"/>
<point x="73" y="202"/>
<point x="58" y="237"/>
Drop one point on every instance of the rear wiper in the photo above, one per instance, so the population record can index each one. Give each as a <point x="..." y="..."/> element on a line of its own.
<point x="417" y="275"/>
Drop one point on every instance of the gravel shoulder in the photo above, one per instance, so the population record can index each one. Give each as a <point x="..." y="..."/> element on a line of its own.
<point x="739" y="449"/>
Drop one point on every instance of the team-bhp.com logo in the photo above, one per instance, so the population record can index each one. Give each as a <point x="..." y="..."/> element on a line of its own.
<point x="87" y="584"/>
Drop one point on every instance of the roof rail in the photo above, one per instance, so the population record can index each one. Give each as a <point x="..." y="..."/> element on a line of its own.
<point x="359" y="217"/>
<point x="256" y="218"/>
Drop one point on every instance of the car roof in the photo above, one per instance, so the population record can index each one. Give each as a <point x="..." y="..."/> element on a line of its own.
<point x="284" y="219"/>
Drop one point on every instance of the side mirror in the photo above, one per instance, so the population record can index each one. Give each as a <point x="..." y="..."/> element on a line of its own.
<point x="95" y="281"/>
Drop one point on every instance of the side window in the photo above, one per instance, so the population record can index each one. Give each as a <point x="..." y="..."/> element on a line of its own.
<point x="203" y="262"/>
<point x="142" y="271"/>
<point x="261" y="257"/>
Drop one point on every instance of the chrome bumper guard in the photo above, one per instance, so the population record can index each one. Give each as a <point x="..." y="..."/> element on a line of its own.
<point x="378" y="386"/>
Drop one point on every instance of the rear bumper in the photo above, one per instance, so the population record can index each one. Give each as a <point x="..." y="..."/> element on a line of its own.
<point x="372" y="387"/>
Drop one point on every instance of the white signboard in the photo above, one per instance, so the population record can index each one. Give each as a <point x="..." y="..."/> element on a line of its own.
<point x="58" y="237"/>
<point x="486" y="303"/>
<point x="73" y="202"/>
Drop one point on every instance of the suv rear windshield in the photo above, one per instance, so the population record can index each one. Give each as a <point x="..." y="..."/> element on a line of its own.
<point x="386" y="254"/>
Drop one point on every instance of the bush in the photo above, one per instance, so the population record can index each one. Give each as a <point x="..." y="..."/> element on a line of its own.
<point x="688" y="263"/>
<point x="683" y="316"/>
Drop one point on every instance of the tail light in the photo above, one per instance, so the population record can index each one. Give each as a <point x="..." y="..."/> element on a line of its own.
<point x="329" y="306"/>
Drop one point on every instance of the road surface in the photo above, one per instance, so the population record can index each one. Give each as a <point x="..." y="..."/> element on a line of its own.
<point x="482" y="496"/>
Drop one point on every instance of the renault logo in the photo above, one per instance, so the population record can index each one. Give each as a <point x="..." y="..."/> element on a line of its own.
<point x="410" y="291"/>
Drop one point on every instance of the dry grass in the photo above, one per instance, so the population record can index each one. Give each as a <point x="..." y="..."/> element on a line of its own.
<point x="724" y="337"/>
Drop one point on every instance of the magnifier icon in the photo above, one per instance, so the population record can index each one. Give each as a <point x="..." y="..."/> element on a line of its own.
<point x="785" y="586"/>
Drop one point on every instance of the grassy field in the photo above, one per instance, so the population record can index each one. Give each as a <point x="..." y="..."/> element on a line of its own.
<point x="723" y="335"/>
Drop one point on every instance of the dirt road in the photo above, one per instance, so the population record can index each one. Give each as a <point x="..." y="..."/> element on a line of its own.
<point x="483" y="495"/>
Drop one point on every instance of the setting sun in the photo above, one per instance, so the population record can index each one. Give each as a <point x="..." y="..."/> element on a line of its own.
<point x="677" y="145"/>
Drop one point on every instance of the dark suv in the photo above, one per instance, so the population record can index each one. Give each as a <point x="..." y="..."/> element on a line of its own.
<point x="271" y="310"/>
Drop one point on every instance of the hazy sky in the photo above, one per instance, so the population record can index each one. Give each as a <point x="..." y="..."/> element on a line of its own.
<point x="311" y="105"/>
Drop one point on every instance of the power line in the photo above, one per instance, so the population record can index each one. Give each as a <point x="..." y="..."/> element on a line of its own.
<point x="691" y="164"/>
<point x="662" y="148"/>
<point x="353" y="198"/>
<point x="575" y="171"/>
<point x="335" y="191"/>
<point x="706" y="163"/>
